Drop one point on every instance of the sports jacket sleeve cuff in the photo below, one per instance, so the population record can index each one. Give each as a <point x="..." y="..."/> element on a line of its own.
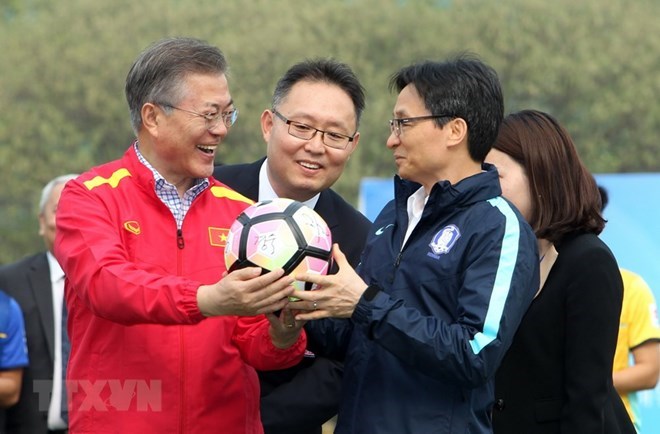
<point x="282" y="358"/>
<point x="364" y="309"/>
<point x="189" y="302"/>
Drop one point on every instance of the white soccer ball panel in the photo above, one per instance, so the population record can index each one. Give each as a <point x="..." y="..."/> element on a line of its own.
<point x="270" y="244"/>
<point x="314" y="228"/>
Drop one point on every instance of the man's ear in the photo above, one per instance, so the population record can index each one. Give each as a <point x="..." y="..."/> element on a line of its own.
<point x="42" y="225"/>
<point x="150" y="118"/>
<point x="352" y="146"/>
<point x="458" y="132"/>
<point x="266" y="124"/>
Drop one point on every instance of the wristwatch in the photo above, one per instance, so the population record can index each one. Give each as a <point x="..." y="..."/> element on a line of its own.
<point x="371" y="292"/>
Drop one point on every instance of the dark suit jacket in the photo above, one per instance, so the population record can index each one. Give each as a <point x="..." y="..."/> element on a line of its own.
<point x="557" y="374"/>
<point x="28" y="281"/>
<point x="299" y="400"/>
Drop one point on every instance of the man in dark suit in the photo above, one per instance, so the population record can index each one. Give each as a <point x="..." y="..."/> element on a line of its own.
<point x="310" y="132"/>
<point x="37" y="284"/>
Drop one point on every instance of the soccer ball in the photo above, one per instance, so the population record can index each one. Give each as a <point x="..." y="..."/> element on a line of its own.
<point x="280" y="233"/>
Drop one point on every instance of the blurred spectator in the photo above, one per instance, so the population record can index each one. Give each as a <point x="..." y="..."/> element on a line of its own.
<point x="637" y="357"/>
<point x="13" y="353"/>
<point x="37" y="284"/>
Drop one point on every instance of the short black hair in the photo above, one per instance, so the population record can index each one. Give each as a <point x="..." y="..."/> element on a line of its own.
<point x="325" y="70"/>
<point x="461" y="87"/>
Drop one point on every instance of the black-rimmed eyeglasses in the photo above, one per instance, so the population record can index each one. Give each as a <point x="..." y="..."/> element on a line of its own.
<point x="396" y="124"/>
<point x="212" y="119"/>
<point x="330" y="139"/>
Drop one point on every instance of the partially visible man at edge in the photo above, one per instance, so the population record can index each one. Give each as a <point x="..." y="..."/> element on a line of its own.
<point x="37" y="284"/>
<point x="13" y="353"/>
<point x="140" y="242"/>
<point x="310" y="133"/>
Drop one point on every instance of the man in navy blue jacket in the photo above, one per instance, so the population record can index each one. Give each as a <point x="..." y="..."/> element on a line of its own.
<point x="446" y="275"/>
<point x="310" y="131"/>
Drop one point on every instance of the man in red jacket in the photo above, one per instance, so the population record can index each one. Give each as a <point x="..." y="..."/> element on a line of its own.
<point x="163" y="339"/>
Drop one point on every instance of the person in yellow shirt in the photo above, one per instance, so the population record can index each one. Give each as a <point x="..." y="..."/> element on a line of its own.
<point x="637" y="356"/>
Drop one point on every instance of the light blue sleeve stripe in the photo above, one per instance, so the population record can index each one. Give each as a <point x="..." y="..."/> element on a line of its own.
<point x="505" y="267"/>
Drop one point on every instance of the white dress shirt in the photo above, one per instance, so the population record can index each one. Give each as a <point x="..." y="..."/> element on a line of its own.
<point x="266" y="191"/>
<point x="55" y="421"/>
<point x="415" y="206"/>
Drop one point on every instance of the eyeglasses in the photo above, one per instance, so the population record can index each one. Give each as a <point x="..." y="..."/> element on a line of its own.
<point x="396" y="124"/>
<point x="212" y="119"/>
<point x="330" y="139"/>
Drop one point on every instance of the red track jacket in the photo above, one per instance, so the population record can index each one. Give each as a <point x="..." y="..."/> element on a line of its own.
<point x="143" y="358"/>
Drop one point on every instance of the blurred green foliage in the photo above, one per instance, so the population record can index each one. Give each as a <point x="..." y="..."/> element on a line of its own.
<point x="592" y="64"/>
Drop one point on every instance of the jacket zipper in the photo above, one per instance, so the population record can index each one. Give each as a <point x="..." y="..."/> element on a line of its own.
<point x="182" y="381"/>
<point x="397" y="261"/>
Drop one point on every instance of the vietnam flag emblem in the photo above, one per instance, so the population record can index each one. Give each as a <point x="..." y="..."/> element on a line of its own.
<point x="218" y="236"/>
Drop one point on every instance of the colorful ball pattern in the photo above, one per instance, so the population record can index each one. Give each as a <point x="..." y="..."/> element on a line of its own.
<point x="280" y="233"/>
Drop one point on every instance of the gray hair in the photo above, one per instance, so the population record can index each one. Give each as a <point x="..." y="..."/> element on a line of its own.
<point x="48" y="189"/>
<point x="156" y="75"/>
